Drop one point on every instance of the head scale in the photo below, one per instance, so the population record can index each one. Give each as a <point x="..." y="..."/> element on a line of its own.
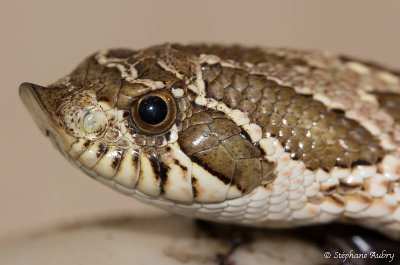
<point x="140" y="121"/>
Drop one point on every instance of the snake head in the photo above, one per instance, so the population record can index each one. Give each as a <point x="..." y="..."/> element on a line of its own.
<point x="140" y="122"/>
<point x="227" y="133"/>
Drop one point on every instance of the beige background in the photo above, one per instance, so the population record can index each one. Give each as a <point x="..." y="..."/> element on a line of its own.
<point x="41" y="41"/>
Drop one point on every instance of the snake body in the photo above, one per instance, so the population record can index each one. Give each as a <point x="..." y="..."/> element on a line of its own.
<point x="253" y="136"/>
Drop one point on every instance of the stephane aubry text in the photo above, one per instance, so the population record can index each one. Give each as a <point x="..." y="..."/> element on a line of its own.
<point x="354" y="255"/>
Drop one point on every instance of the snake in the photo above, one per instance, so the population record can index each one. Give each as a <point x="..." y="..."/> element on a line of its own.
<point x="265" y="137"/>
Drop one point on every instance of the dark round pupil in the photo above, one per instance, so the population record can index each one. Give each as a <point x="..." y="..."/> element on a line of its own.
<point x="153" y="110"/>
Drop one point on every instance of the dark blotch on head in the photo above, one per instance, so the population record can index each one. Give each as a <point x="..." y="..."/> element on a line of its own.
<point x="117" y="159"/>
<point x="163" y="176"/>
<point x="120" y="53"/>
<point x="168" y="136"/>
<point x="245" y="135"/>
<point x="360" y="163"/>
<point x="102" y="149"/>
<point x="125" y="114"/>
<point x="223" y="178"/>
<point x="338" y="111"/>
<point x="194" y="189"/>
<point x="154" y="164"/>
<point x="184" y="168"/>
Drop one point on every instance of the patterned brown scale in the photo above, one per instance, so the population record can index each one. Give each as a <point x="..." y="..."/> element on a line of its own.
<point x="214" y="142"/>
<point x="289" y="116"/>
<point x="256" y="136"/>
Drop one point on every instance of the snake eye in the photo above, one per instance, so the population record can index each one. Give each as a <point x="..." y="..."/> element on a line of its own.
<point x="154" y="113"/>
<point x="153" y="110"/>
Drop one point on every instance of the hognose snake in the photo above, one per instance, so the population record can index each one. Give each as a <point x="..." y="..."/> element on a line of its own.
<point x="262" y="137"/>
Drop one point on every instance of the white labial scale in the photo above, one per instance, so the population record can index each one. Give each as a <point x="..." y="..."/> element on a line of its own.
<point x="63" y="141"/>
<point x="77" y="148"/>
<point x="178" y="185"/>
<point x="89" y="158"/>
<point x="148" y="182"/>
<point x="208" y="187"/>
<point x="233" y="193"/>
<point x="129" y="169"/>
<point x="104" y="166"/>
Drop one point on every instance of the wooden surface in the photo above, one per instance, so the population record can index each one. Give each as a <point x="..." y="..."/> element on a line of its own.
<point x="158" y="239"/>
